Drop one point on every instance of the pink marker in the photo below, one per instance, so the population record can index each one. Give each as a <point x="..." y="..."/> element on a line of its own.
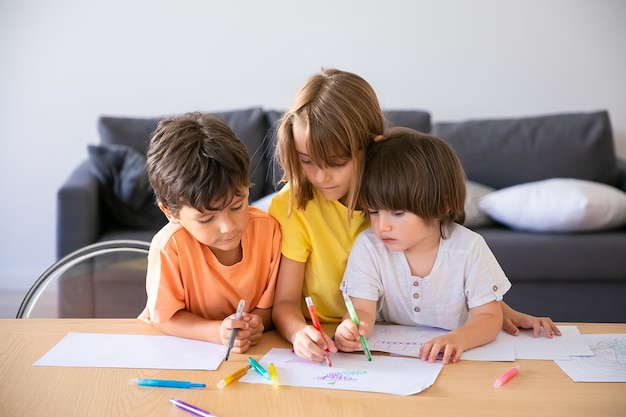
<point x="506" y="377"/>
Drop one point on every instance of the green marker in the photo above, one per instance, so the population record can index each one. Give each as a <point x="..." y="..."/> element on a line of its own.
<point x="355" y="319"/>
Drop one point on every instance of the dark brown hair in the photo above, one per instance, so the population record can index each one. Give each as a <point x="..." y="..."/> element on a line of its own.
<point x="196" y="160"/>
<point x="414" y="172"/>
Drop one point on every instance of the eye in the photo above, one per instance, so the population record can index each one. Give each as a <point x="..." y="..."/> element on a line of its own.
<point x="372" y="212"/>
<point x="206" y="220"/>
<point x="305" y="161"/>
<point x="397" y="213"/>
<point x="236" y="208"/>
<point x="341" y="162"/>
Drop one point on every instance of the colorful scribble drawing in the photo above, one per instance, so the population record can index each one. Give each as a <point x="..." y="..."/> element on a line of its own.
<point x="345" y="376"/>
<point x="609" y="358"/>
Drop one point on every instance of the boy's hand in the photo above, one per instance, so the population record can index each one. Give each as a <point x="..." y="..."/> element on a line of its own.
<point x="514" y="320"/>
<point x="308" y="343"/>
<point x="347" y="335"/>
<point x="242" y="342"/>
<point x="256" y="328"/>
<point x="448" y="347"/>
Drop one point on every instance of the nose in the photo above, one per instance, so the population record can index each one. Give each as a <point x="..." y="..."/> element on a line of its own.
<point x="384" y="222"/>
<point x="227" y="224"/>
<point x="321" y="175"/>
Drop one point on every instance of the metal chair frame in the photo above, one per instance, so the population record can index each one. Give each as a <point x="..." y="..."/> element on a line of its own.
<point x="57" y="269"/>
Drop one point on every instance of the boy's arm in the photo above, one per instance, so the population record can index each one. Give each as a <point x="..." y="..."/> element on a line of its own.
<point x="483" y="327"/>
<point x="514" y="320"/>
<point x="266" y="317"/>
<point x="188" y="325"/>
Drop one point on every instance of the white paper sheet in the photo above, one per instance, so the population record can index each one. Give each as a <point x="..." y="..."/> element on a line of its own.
<point x="353" y="372"/>
<point x="133" y="351"/>
<point x="406" y="340"/>
<point x="608" y="363"/>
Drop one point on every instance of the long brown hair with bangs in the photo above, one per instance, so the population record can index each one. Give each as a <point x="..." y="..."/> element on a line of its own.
<point x="341" y="114"/>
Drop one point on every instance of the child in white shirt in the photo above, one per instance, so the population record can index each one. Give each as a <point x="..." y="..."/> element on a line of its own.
<point x="417" y="264"/>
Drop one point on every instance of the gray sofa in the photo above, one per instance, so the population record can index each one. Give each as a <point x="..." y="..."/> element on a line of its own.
<point x="569" y="276"/>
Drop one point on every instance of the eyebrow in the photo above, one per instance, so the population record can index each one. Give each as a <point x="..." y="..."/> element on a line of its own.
<point x="237" y="198"/>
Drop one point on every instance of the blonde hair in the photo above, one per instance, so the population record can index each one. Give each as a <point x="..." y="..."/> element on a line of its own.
<point x="340" y="113"/>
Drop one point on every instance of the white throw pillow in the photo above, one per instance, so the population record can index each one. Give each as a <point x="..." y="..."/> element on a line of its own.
<point x="474" y="216"/>
<point x="557" y="205"/>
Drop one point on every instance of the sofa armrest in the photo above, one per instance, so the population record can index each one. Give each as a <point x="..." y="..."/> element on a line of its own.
<point x="78" y="210"/>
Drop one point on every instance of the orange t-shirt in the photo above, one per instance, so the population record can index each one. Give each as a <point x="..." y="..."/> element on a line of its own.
<point x="185" y="274"/>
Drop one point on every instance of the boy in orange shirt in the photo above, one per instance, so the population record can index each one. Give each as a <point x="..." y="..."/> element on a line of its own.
<point x="215" y="250"/>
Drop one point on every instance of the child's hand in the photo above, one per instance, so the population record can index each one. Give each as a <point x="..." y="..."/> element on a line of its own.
<point x="347" y="335"/>
<point x="449" y="343"/>
<point x="256" y="328"/>
<point x="308" y="343"/>
<point x="242" y="341"/>
<point x="514" y="320"/>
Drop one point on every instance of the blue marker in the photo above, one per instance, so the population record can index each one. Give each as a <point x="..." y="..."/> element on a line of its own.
<point x="259" y="369"/>
<point x="167" y="383"/>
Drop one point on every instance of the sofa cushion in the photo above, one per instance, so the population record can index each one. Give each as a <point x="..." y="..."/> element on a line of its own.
<point x="414" y="119"/>
<point x="249" y="125"/>
<point x="557" y="205"/>
<point x="505" y="152"/>
<point x="125" y="190"/>
<point x="475" y="216"/>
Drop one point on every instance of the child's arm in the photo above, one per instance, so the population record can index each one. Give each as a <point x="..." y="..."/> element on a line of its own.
<point x="514" y="320"/>
<point x="347" y="334"/>
<point x="190" y="326"/>
<point x="307" y="342"/>
<point x="483" y="327"/>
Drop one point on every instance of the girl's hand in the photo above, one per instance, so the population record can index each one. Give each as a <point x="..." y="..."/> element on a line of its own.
<point x="309" y="343"/>
<point x="347" y="335"/>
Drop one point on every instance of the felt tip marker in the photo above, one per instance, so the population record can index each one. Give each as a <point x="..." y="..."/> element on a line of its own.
<point x="274" y="375"/>
<point x="233" y="332"/>
<point x="506" y="377"/>
<point x="191" y="408"/>
<point x="355" y="319"/>
<point x="166" y="383"/>
<point x="233" y="377"/>
<point x="316" y="323"/>
<point x="259" y="369"/>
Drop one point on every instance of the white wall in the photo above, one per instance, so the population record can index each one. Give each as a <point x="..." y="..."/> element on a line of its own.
<point x="65" y="62"/>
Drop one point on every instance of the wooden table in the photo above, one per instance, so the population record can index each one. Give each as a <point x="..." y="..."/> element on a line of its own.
<point x="462" y="389"/>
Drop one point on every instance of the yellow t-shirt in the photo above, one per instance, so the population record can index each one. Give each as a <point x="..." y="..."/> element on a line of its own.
<point x="321" y="236"/>
<point x="185" y="274"/>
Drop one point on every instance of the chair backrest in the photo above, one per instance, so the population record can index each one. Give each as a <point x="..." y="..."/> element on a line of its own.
<point x="102" y="280"/>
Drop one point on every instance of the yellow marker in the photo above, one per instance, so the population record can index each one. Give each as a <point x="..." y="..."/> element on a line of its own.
<point x="233" y="377"/>
<point x="273" y="375"/>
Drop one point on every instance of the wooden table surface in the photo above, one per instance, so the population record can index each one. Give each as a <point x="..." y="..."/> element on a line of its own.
<point x="462" y="389"/>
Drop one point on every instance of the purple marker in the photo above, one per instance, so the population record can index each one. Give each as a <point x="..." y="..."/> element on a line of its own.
<point x="188" y="407"/>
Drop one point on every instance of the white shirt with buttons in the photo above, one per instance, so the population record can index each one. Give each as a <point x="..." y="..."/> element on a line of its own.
<point x="465" y="275"/>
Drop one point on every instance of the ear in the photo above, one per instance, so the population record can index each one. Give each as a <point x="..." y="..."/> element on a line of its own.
<point x="168" y="214"/>
<point x="378" y="138"/>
